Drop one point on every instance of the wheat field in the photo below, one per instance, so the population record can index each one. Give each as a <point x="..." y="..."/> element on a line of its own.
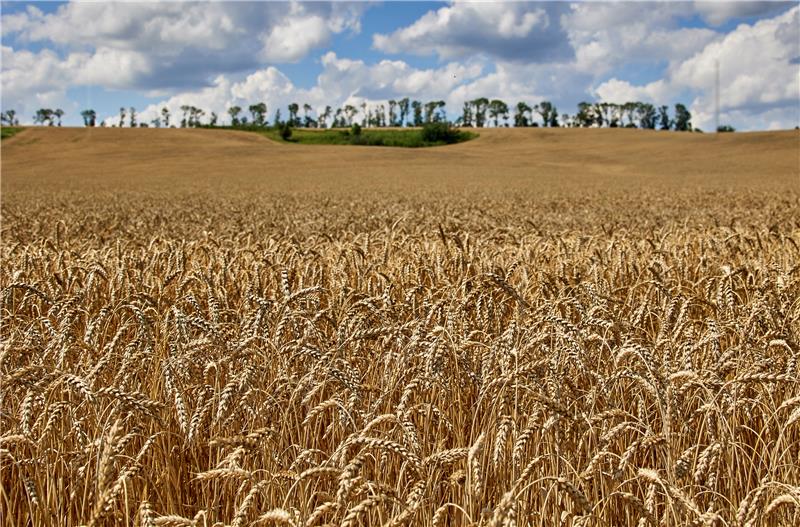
<point x="544" y="328"/>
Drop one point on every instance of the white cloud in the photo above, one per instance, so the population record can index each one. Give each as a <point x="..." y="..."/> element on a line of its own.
<point x="213" y="55"/>
<point x="109" y="67"/>
<point x="183" y="44"/>
<point x="291" y="40"/>
<point x="620" y="92"/>
<point x="34" y="80"/>
<point x="719" y="12"/>
<point x="519" y="31"/>
<point x="607" y="35"/>
<point x="755" y="64"/>
<point x="759" y="77"/>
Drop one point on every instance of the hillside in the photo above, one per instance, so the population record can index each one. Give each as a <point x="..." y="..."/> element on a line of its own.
<point x="53" y="158"/>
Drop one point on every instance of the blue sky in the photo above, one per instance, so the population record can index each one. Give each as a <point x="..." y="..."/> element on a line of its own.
<point x="215" y="55"/>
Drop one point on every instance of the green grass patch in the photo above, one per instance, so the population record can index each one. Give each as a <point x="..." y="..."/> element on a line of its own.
<point x="438" y="135"/>
<point x="8" y="131"/>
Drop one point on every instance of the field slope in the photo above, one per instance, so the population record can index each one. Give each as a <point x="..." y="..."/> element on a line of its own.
<point x="537" y="327"/>
<point x="519" y="158"/>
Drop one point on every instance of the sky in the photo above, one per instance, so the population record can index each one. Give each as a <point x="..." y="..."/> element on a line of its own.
<point x="213" y="55"/>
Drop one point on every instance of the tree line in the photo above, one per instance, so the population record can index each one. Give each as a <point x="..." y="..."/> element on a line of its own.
<point x="478" y="113"/>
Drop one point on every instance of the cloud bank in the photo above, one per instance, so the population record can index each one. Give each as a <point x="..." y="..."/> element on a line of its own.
<point x="213" y="55"/>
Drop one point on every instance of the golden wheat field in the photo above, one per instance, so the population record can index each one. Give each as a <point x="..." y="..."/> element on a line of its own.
<point x="534" y="328"/>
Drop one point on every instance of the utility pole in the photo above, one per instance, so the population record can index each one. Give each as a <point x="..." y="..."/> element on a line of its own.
<point x="716" y="97"/>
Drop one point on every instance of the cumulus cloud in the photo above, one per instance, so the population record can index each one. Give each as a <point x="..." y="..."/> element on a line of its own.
<point x="758" y="74"/>
<point x="755" y="63"/>
<point x="620" y="92"/>
<point x="291" y="40"/>
<point x="518" y="31"/>
<point x="607" y="35"/>
<point x="719" y="12"/>
<point x="182" y="44"/>
<point x="214" y="55"/>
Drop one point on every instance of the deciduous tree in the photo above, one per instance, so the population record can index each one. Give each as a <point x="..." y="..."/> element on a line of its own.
<point x="664" y="122"/>
<point x="403" y="104"/>
<point x="480" y="104"/>
<point x="258" y="113"/>
<point x="294" y="108"/>
<point x="466" y="114"/>
<point x="89" y="117"/>
<point x="521" y="115"/>
<point x="417" y="107"/>
<point x="9" y="117"/>
<point x="497" y="109"/>
<point x="683" y="118"/>
<point x="234" y="112"/>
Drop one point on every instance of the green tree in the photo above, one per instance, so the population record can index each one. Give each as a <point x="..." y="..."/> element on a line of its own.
<point x="521" y="115"/>
<point x="440" y="115"/>
<point x="392" y="112"/>
<point x="417" y="109"/>
<point x="185" y="109"/>
<point x="646" y="113"/>
<point x="585" y="115"/>
<point x="132" y="122"/>
<point x="165" y="116"/>
<point x="9" y="117"/>
<point x="480" y="104"/>
<point x="439" y="132"/>
<point x="629" y="108"/>
<point x="553" y="118"/>
<point x="404" y="106"/>
<point x="664" y="121"/>
<point x="195" y="115"/>
<point x="323" y="118"/>
<point x="430" y="108"/>
<point x="234" y="112"/>
<point x="213" y="120"/>
<point x="294" y="108"/>
<point x="380" y="114"/>
<point x="307" y="120"/>
<point x="122" y="117"/>
<point x="466" y="114"/>
<point x="89" y="117"/>
<point x="258" y="113"/>
<point x="497" y="109"/>
<point x="545" y="109"/>
<point x="285" y="130"/>
<point x="44" y="115"/>
<point x="683" y="118"/>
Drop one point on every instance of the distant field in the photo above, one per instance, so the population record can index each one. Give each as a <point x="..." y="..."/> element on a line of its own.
<point x="526" y="160"/>
<point x="541" y="327"/>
